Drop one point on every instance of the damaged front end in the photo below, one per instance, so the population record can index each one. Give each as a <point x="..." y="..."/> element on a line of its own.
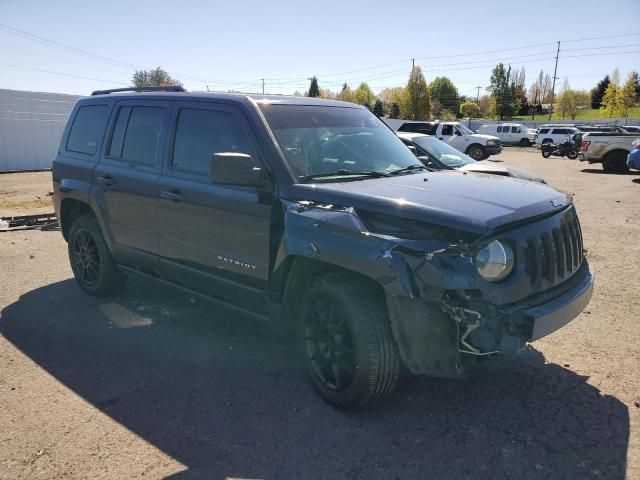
<point x="443" y="312"/>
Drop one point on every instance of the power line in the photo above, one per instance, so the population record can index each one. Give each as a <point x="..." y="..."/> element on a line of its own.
<point x="63" y="74"/>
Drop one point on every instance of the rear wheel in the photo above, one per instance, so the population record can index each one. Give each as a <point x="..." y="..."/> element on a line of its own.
<point x="347" y="347"/>
<point x="93" y="267"/>
<point x="476" y="152"/>
<point x="615" y="162"/>
<point x="573" y="154"/>
<point x="524" y="142"/>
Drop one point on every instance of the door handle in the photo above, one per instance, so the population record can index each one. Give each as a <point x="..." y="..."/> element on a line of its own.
<point x="174" y="195"/>
<point x="106" y="180"/>
<point x="441" y="138"/>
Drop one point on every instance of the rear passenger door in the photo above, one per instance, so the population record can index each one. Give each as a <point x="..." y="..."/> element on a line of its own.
<point x="213" y="238"/>
<point x="127" y="178"/>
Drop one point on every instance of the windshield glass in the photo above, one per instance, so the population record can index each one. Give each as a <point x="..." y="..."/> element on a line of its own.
<point x="318" y="140"/>
<point x="443" y="152"/>
<point x="463" y="130"/>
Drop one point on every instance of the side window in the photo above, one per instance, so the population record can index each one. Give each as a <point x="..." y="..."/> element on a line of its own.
<point x="560" y="131"/>
<point x="202" y="133"/>
<point x="499" y="129"/>
<point x="136" y="134"/>
<point x="447" y="130"/>
<point x="407" y="127"/>
<point x="87" y="129"/>
<point x="515" y="130"/>
<point x="544" y="130"/>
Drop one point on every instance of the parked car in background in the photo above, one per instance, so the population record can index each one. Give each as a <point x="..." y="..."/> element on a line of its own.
<point x="555" y="134"/>
<point x="476" y="145"/>
<point x="438" y="155"/>
<point x="602" y="129"/>
<point x="609" y="149"/>
<point x="511" y="133"/>
<point x="632" y="128"/>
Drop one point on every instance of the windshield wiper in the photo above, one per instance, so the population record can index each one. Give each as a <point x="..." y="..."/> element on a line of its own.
<point x="344" y="173"/>
<point x="410" y="168"/>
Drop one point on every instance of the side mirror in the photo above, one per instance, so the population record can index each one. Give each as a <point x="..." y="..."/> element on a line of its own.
<point x="427" y="162"/>
<point x="241" y="169"/>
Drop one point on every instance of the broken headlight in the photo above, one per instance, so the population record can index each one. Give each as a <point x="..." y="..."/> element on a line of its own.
<point x="495" y="261"/>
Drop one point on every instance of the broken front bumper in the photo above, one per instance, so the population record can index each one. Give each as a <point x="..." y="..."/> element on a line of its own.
<point x="556" y="313"/>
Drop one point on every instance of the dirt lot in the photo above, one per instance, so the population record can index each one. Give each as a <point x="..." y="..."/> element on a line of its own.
<point x="153" y="384"/>
<point x="25" y="193"/>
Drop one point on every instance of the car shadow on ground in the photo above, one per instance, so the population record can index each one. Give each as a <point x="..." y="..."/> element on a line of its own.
<point x="599" y="170"/>
<point x="223" y="395"/>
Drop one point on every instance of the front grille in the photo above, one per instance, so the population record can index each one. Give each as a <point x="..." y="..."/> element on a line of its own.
<point x="554" y="255"/>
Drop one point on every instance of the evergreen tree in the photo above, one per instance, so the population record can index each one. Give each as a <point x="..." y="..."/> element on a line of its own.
<point x="503" y="91"/>
<point x="378" y="110"/>
<point x="418" y="96"/>
<point x="598" y="92"/>
<point x="314" y="90"/>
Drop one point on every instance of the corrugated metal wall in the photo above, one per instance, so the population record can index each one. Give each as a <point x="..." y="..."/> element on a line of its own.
<point x="31" y="124"/>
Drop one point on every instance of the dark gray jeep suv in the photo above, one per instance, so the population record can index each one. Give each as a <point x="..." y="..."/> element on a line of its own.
<point x="313" y="213"/>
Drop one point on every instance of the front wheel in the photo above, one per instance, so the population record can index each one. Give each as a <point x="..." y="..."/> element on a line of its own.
<point x="524" y="142"/>
<point x="546" y="152"/>
<point x="476" y="152"/>
<point x="573" y="154"/>
<point x="91" y="262"/>
<point x="349" y="353"/>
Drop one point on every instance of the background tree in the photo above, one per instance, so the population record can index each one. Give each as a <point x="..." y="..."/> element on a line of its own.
<point x="628" y="94"/>
<point x="156" y="77"/>
<point x="484" y="103"/>
<point x="470" y="110"/>
<point x="567" y="104"/>
<point x="418" y="97"/>
<point x="364" y="95"/>
<point x="443" y="90"/>
<point x="436" y="108"/>
<point x="611" y="100"/>
<point x="378" y="109"/>
<point x="395" y="111"/>
<point x="389" y="96"/>
<point x="314" y="90"/>
<point x="503" y="91"/>
<point x="598" y="92"/>
<point x="636" y="77"/>
<point x="346" y="94"/>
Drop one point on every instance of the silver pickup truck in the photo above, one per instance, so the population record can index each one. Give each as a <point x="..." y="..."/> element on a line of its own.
<point x="609" y="149"/>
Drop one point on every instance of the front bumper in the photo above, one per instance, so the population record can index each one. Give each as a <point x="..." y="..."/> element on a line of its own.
<point x="493" y="149"/>
<point x="556" y="313"/>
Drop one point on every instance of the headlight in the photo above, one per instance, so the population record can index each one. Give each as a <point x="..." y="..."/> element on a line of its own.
<point x="491" y="142"/>
<point x="495" y="261"/>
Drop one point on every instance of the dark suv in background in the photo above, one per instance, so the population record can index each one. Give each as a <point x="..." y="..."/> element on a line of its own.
<point x="313" y="213"/>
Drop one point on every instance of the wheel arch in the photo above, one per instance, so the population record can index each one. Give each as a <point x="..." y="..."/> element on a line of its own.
<point x="70" y="210"/>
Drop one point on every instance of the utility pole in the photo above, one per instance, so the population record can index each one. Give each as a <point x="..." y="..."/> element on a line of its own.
<point x="553" y="88"/>
<point x="263" y="86"/>
<point x="478" y="94"/>
<point x="413" y="63"/>
<point x="207" y="88"/>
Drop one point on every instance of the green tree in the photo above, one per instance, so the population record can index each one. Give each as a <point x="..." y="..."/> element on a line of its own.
<point x="470" y="110"/>
<point x="418" y="97"/>
<point x="314" y="90"/>
<point x="156" y="77"/>
<point x="503" y="91"/>
<point x="443" y="90"/>
<point x="598" y="92"/>
<point x="395" y="111"/>
<point x="364" y="95"/>
<point x="628" y="94"/>
<point x="378" y="108"/>
<point x="611" y="100"/>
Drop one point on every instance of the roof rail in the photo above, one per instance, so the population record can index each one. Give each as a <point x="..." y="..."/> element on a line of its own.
<point x="166" y="88"/>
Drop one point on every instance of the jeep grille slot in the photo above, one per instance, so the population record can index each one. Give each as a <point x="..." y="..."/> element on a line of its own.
<point x="553" y="256"/>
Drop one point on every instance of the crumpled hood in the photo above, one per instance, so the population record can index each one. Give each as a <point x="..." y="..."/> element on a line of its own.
<point x="468" y="202"/>
<point x="489" y="166"/>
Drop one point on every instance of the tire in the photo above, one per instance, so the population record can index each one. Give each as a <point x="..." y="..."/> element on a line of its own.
<point x="546" y="152"/>
<point x="524" y="142"/>
<point x="573" y="154"/>
<point x="345" y="342"/>
<point x="615" y="162"/>
<point x="546" y="140"/>
<point x="476" y="152"/>
<point x="93" y="266"/>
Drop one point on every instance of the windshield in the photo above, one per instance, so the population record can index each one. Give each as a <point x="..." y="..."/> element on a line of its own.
<point x="443" y="152"/>
<point x="319" y="140"/>
<point x="463" y="130"/>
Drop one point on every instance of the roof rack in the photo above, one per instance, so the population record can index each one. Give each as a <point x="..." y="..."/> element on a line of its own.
<point x="166" y="88"/>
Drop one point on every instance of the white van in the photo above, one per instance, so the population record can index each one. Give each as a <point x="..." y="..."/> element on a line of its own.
<point x="513" y="133"/>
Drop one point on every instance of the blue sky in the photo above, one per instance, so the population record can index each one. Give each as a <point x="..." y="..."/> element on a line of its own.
<point x="233" y="44"/>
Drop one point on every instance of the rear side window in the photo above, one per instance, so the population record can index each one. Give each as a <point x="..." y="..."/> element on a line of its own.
<point x="87" y="129"/>
<point x="560" y="131"/>
<point x="136" y="134"/>
<point x="544" y="130"/>
<point x="515" y="130"/>
<point x="408" y="127"/>
<point x="202" y="133"/>
<point x="499" y="130"/>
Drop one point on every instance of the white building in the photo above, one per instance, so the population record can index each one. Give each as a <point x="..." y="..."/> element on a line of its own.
<point x="31" y="124"/>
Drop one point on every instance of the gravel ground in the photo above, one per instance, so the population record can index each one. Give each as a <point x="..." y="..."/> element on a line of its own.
<point x="151" y="383"/>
